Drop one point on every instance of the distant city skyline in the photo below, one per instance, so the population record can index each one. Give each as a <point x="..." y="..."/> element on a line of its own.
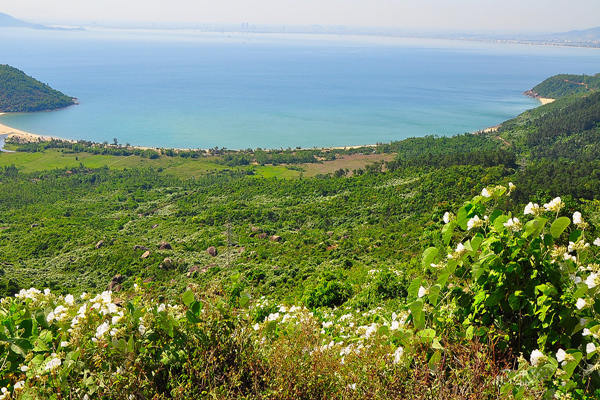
<point x="424" y="15"/>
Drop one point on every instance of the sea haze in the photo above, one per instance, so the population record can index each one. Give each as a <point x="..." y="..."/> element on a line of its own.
<point x="198" y="90"/>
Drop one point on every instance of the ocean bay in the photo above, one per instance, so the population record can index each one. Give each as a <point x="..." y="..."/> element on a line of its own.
<point x="197" y="90"/>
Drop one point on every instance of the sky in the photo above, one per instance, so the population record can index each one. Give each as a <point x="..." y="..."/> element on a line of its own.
<point x="452" y="15"/>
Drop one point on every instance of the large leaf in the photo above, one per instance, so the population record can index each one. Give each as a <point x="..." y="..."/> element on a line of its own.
<point x="416" y="310"/>
<point x="434" y="293"/>
<point x="413" y="288"/>
<point x="428" y="256"/>
<point x="188" y="298"/>
<point x="559" y="226"/>
<point x="447" y="232"/>
<point x="535" y="227"/>
<point x="569" y="368"/>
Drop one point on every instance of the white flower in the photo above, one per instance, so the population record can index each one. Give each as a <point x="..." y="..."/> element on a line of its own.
<point x="474" y="222"/>
<point x="398" y="355"/>
<point x="142" y="329"/>
<point x="46" y="292"/>
<point x="102" y="329"/>
<point x="513" y="224"/>
<point x="50" y="317"/>
<point x="161" y="308"/>
<point x="117" y="318"/>
<point x="591" y="280"/>
<point x="590" y="348"/>
<point x="586" y="332"/>
<point x="422" y="292"/>
<point x="577" y="219"/>
<point x="532" y="209"/>
<point x="256" y="326"/>
<point x="273" y="316"/>
<point x="560" y="355"/>
<point x="446" y="217"/>
<point x="536" y="357"/>
<point x="485" y="193"/>
<point x="64" y="344"/>
<point x="555" y="205"/>
<point x="580" y="303"/>
<point x="24" y="368"/>
<point x="53" y="364"/>
<point x="395" y="325"/>
<point x="568" y="257"/>
<point x="69" y="299"/>
<point x="460" y="248"/>
<point x="19" y="385"/>
<point x="597" y="242"/>
<point x="83" y="296"/>
<point x="136" y="287"/>
<point x="511" y="186"/>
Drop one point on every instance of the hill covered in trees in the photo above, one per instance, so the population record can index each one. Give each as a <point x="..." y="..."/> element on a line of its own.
<point x="22" y="93"/>
<point x="427" y="276"/>
<point x="565" y="85"/>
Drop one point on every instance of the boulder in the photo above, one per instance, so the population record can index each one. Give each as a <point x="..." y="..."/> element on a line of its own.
<point x="167" y="263"/>
<point x="115" y="283"/>
<point x="145" y="255"/>
<point x="164" y="246"/>
<point x="262" y="235"/>
<point x="275" y="238"/>
<point x="212" y="251"/>
<point x="138" y="247"/>
<point x="100" y="244"/>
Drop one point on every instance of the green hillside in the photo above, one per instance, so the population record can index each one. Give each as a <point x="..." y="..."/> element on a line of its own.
<point x="565" y="85"/>
<point x="451" y="270"/>
<point x="22" y="93"/>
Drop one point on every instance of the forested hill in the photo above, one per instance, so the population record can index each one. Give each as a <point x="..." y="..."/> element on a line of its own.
<point x="566" y="85"/>
<point x="22" y="93"/>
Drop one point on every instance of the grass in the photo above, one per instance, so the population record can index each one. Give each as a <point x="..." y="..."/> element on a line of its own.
<point x="181" y="167"/>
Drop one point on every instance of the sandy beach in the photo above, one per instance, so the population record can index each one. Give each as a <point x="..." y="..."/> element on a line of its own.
<point x="546" y="100"/>
<point x="22" y="135"/>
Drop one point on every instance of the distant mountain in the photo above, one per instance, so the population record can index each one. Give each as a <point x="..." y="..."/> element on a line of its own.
<point x="592" y="34"/>
<point x="7" y="21"/>
<point x="22" y="93"/>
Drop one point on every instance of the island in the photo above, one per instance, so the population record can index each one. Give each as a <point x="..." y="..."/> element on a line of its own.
<point x="22" y="93"/>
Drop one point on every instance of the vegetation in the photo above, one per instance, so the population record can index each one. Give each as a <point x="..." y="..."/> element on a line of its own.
<point x="22" y="93"/>
<point x="432" y="275"/>
<point x="565" y="85"/>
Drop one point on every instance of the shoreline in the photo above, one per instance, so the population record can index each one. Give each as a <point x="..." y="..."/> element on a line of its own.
<point x="8" y="132"/>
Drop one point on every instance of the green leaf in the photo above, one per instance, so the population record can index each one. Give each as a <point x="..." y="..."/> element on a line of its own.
<point x="434" y="293"/>
<point x="462" y="218"/>
<point x="188" y="298"/>
<point x="476" y="242"/>
<point x="559" y="226"/>
<point x="416" y="310"/>
<point x="535" y="227"/>
<point x="499" y="223"/>
<point x="413" y="288"/>
<point x="569" y="368"/>
<point x="447" y="232"/>
<point x="469" y="332"/>
<point x="192" y="317"/>
<point x="428" y="256"/>
<point x="435" y="360"/>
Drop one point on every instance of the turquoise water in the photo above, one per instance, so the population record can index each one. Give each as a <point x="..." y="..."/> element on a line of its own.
<point x="186" y="89"/>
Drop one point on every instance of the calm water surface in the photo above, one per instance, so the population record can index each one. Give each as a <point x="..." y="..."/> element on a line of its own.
<point x="189" y="89"/>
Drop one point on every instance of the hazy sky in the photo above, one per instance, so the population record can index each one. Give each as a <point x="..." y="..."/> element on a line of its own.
<point x="507" y="15"/>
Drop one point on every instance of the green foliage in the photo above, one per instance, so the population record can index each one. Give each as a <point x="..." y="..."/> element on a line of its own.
<point x="565" y="85"/>
<point x="22" y="93"/>
<point x="331" y="290"/>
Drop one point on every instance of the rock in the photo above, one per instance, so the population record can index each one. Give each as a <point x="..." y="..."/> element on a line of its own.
<point x="115" y="284"/>
<point x="262" y="235"/>
<point x="145" y="255"/>
<point x="154" y="226"/>
<point x="193" y="270"/>
<point x="100" y="244"/>
<point x="212" y="251"/>
<point x="164" y="246"/>
<point x="138" y="247"/>
<point x="329" y="233"/>
<point x="255" y="229"/>
<point x="35" y="225"/>
<point x="167" y="263"/>
<point x="275" y="238"/>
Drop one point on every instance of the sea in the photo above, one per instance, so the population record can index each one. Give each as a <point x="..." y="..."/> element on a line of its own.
<point x="192" y="89"/>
